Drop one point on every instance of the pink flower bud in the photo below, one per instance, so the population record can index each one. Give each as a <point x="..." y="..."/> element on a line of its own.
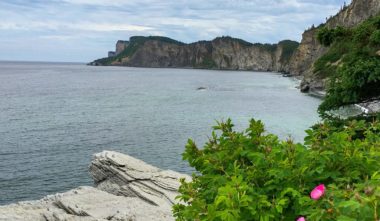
<point x="301" y="218"/>
<point x="318" y="192"/>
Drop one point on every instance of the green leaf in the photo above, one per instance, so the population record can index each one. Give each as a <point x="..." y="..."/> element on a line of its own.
<point x="345" y="218"/>
<point x="351" y="204"/>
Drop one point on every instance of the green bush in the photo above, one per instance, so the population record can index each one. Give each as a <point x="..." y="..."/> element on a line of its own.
<point x="252" y="175"/>
<point x="376" y="22"/>
<point x="375" y="37"/>
<point x="363" y="32"/>
<point x="326" y="36"/>
<point x="288" y="49"/>
<point x="355" y="82"/>
<point x="351" y="64"/>
<point x="207" y="63"/>
<point x="229" y="38"/>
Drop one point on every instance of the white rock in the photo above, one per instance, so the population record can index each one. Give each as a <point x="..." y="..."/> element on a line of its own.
<point x="128" y="189"/>
<point x="124" y="175"/>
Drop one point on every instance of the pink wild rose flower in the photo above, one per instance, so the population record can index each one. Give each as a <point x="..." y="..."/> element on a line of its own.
<point x="318" y="192"/>
<point x="301" y="218"/>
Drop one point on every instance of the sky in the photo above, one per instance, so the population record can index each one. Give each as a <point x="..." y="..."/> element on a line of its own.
<point x="84" y="30"/>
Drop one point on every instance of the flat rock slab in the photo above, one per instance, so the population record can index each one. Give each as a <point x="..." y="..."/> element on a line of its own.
<point x="124" y="175"/>
<point x="127" y="189"/>
<point x="84" y="204"/>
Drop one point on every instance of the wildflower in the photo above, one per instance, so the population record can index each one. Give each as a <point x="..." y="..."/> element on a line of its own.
<point x="301" y="218"/>
<point x="318" y="192"/>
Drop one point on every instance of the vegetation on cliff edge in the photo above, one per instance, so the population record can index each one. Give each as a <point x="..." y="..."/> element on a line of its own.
<point x="137" y="42"/>
<point x="288" y="49"/>
<point x="352" y="64"/>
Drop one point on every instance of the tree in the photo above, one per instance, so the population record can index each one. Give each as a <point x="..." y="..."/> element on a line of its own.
<point x="356" y="78"/>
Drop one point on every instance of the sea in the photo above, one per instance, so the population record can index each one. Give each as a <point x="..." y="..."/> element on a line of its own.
<point x="55" y="116"/>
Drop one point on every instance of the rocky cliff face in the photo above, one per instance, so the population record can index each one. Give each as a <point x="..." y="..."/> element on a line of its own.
<point x="310" y="50"/>
<point x="127" y="189"/>
<point x="221" y="53"/>
<point x="235" y="54"/>
<point x="121" y="46"/>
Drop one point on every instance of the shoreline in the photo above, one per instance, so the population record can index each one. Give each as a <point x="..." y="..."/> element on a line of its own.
<point x="125" y="188"/>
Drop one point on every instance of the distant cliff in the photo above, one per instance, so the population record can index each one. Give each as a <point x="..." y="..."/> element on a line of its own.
<point x="310" y="50"/>
<point x="236" y="54"/>
<point x="221" y="53"/>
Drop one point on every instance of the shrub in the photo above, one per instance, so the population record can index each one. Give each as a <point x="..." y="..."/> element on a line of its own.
<point x="351" y="64"/>
<point x="357" y="81"/>
<point x="325" y="36"/>
<point x="363" y="32"/>
<point x="207" y="62"/>
<point x="288" y="49"/>
<point x="252" y="175"/>
<point x="375" y="37"/>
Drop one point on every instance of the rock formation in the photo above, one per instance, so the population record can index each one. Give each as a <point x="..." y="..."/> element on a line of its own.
<point x="127" y="189"/>
<point x="235" y="54"/>
<point x="123" y="175"/>
<point x="220" y="53"/>
<point x="310" y="50"/>
<point x="121" y="46"/>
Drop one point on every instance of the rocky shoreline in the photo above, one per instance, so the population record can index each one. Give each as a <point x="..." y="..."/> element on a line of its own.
<point x="126" y="189"/>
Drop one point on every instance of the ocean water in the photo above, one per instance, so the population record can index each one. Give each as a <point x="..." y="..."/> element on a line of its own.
<point x="54" y="117"/>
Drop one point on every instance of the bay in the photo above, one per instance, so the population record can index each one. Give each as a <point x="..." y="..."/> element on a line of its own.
<point x="55" y="116"/>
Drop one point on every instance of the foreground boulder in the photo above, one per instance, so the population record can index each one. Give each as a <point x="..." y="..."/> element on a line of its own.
<point x="127" y="189"/>
<point x="123" y="175"/>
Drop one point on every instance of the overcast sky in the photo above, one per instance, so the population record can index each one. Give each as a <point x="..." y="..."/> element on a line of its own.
<point x="83" y="30"/>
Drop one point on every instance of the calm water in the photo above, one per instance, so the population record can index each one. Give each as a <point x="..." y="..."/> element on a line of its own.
<point x="54" y="117"/>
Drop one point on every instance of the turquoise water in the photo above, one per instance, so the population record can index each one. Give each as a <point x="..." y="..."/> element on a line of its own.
<point x="54" y="117"/>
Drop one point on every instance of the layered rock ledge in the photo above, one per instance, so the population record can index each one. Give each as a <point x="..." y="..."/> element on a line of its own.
<point x="126" y="189"/>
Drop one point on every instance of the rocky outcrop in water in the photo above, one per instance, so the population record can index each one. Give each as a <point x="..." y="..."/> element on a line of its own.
<point x="221" y="53"/>
<point x="127" y="189"/>
<point x="310" y="50"/>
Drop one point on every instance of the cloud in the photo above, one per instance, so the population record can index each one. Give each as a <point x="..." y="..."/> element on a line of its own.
<point x="110" y="27"/>
<point x="97" y="2"/>
<point x="95" y="25"/>
<point x="60" y="38"/>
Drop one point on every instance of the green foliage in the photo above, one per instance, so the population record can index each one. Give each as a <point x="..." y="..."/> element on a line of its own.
<point x="105" y="61"/>
<point x="351" y="64"/>
<point x="375" y="37"/>
<point x="207" y="63"/>
<point x="143" y="39"/>
<point x="288" y="49"/>
<point x="325" y="36"/>
<point x="135" y="43"/>
<point x="363" y="32"/>
<point x="252" y="175"/>
<point x="229" y="38"/>
<point x="358" y="81"/>
<point x="327" y="64"/>
<point x="266" y="47"/>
